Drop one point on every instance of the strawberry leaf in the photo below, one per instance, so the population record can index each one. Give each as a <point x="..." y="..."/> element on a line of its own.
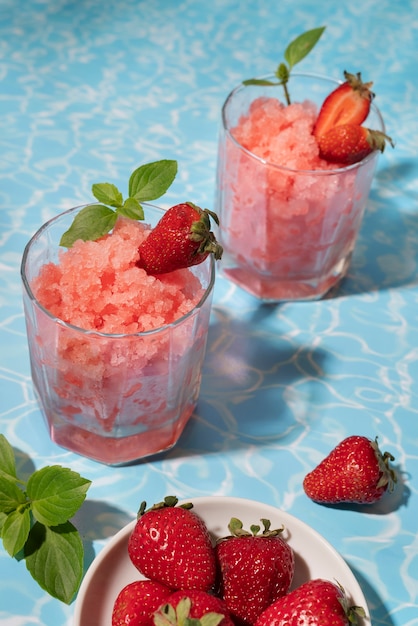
<point x="132" y="209"/>
<point x="15" y="530"/>
<point x="54" y="558"/>
<point x="151" y="181"/>
<point x="107" y="194"/>
<point x="91" y="223"/>
<point x="302" y="45"/>
<point x="56" y="494"/>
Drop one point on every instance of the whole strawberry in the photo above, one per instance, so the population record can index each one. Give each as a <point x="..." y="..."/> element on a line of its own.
<point x="191" y="607"/>
<point x="137" y="602"/>
<point x="354" y="471"/>
<point x="348" y="143"/>
<point x="181" y="238"/>
<point x="317" y="602"/>
<point x="171" y="545"/>
<point x="349" y="103"/>
<point x="254" y="570"/>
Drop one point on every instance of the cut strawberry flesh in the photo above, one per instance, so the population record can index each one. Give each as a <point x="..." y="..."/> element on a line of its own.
<point x="347" y="104"/>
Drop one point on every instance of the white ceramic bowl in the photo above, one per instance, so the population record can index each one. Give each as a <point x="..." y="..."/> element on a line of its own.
<point x="314" y="556"/>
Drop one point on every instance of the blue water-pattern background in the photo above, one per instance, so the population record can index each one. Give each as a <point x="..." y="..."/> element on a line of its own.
<point x="89" y="90"/>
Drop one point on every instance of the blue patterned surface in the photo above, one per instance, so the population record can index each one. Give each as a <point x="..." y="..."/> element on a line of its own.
<point x="88" y="91"/>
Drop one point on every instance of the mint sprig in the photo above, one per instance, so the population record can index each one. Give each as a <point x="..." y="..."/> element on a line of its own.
<point x="148" y="182"/>
<point x="35" y="526"/>
<point x="297" y="50"/>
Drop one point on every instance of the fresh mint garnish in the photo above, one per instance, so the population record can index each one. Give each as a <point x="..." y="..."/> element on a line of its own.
<point x="148" y="182"/>
<point x="294" y="53"/>
<point x="35" y="526"/>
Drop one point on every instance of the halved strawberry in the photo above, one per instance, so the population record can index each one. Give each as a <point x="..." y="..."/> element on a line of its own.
<point x="349" y="103"/>
<point x="350" y="143"/>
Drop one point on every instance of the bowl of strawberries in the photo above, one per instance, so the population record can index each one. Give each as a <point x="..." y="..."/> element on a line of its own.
<point x="226" y="560"/>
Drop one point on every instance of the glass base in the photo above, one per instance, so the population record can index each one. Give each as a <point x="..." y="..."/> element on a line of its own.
<point x="277" y="289"/>
<point x="116" y="451"/>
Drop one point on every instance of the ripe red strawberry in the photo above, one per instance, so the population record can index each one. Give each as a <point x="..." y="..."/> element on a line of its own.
<point x="254" y="570"/>
<point x="348" y="143"/>
<point x="137" y="602"/>
<point x="354" y="471"/>
<point x="317" y="602"/>
<point x="172" y="545"/>
<point x="349" y="103"/>
<point x="195" y="605"/>
<point x="181" y="238"/>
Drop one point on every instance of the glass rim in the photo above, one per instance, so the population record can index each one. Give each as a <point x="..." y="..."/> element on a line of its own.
<point x="97" y="333"/>
<point x="290" y="170"/>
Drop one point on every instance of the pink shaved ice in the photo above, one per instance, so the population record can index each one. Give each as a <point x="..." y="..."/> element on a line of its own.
<point x="97" y="286"/>
<point x="289" y="141"/>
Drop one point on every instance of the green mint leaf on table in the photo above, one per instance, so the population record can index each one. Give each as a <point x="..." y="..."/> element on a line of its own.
<point x="148" y="182"/>
<point x="294" y="53"/>
<point x="56" y="494"/>
<point x="54" y="558"/>
<point x="7" y="458"/>
<point x="15" y="530"/>
<point x="35" y="526"/>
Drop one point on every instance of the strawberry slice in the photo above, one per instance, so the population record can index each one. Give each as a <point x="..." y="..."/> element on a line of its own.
<point x="349" y="103"/>
<point x="350" y="143"/>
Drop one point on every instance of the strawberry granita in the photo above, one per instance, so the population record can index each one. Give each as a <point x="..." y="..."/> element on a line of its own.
<point x="97" y="286"/>
<point x="289" y="219"/>
<point x="116" y="354"/>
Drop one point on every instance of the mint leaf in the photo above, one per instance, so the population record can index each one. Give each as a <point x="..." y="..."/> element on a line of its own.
<point x="258" y="81"/>
<point x="34" y="523"/>
<point x="15" y="530"/>
<point x="91" y="223"/>
<point x="107" y="194"/>
<point x="147" y="182"/>
<point x="294" y="53"/>
<point x="54" y="558"/>
<point x="11" y="497"/>
<point x="152" y="180"/>
<point x="132" y="209"/>
<point x="302" y="45"/>
<point x="56" y="494"/>
<point x="7" y="458"/>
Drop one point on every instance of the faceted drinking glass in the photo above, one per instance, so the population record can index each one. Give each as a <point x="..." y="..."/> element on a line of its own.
<point x="287" y="234"/>
<point x="114" y="398"/>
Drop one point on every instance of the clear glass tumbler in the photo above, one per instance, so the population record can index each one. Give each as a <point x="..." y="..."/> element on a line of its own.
<point x="113" y="398"/>
<point x="287" y="234"/>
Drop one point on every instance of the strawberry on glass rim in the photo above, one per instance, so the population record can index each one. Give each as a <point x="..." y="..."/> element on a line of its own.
<point x="347" y="144"/>
<point x="181" y="238"/>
